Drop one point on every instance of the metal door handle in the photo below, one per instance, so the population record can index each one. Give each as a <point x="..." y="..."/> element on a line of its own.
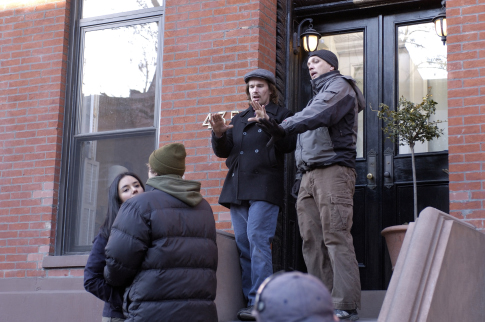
<point x="388" y="168"/>
<point x="371" y="168"/>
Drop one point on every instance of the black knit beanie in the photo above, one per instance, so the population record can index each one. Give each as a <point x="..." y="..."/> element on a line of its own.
<point x="327" y="56"/>
<point x="169" y="159"/>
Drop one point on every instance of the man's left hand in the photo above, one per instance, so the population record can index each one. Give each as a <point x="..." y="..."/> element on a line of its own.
<point x="271" y="127"/>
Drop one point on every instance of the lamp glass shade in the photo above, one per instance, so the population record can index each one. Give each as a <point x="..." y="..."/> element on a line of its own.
<point x="310" y="42"/>
<point x="440" y="26"/>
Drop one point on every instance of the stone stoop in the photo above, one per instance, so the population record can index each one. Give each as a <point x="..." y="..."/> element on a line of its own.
<point x="229" y="302"/>
<point x="439" y="274"/>
<point x="371" y="305"/>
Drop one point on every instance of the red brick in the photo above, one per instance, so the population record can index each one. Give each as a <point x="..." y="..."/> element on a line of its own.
<point x="475" y="157"/>
<point x="463" y="186"/>
<point x="15" y="273"/>
<point x="470" y="176"/>
<point x="476" y="214"/>
<point x="35" y="273"/>
<point x="478" y="119"/>
<point x="76" y="272"/>
<point x="465" y="205"/>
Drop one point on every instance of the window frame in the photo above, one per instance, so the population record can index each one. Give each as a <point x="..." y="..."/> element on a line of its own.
<point x="70" y="140"/>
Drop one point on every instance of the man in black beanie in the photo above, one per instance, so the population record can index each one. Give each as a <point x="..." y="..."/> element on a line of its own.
<point x="162" y="246"/>
<point x="325" y="185"/>
<point x="254" y="186"/>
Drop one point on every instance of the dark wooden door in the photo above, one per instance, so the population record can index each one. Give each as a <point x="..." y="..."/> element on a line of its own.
<point x="368" y="49"/>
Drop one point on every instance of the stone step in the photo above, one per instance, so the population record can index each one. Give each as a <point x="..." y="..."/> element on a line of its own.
<point x="371" y="305"/>
<point x="371" y="302"/>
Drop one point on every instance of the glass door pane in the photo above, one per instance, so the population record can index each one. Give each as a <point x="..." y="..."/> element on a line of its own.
<point x="349" y="49"/>
<point x="422" y="69"/>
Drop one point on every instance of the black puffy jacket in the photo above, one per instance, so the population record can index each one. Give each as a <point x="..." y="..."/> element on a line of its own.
<point x="165" y="252"/>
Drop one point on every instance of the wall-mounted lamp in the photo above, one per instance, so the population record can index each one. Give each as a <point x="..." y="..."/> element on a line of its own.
<point x="440" y="23"/>
<point x="309" y="38"/>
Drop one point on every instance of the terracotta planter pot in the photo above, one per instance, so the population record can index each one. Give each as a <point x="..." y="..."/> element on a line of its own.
<point x="394" y="237"/>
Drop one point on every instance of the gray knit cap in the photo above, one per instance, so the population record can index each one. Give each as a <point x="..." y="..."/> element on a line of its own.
<point x="260" y="73"/>
<point x="327" y="56"/>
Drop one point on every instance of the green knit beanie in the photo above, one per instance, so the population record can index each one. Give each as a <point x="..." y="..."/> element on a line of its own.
<point x="169" y="159"/>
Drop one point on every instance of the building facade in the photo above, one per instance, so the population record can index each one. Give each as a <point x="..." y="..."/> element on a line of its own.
<point x="89" y="88"/>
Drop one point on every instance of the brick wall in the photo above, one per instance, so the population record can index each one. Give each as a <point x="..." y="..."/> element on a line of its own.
<point x="208" y="47"/>
<point x="466" y="84"/>
<point x="33" y="58"/>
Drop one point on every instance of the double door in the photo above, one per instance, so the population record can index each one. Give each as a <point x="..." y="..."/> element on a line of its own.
<point x="390" y="56"/>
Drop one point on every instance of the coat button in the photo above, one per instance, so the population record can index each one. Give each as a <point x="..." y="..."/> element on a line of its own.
<point x="233" y="174"/>
<point x="256" y="150"/>
<point x="241" y="152"/>
<point x="259" y="130"/>
<point x="244" y="133"/>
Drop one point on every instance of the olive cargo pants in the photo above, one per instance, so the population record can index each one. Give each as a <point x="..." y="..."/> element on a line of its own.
<point x="325" y="211"/>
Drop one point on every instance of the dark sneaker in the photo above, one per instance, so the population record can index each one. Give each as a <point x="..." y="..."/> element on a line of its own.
<point x="347" y="315"/>
<point x="246" y="314"/>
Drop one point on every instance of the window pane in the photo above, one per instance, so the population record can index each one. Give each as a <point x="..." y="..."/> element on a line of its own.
<point x="423" y="69"/>
<point x="119" y="78"/>
<point x="93" y="8"/>
<point x="98" y="163"/>
<point x="349" y="49"/>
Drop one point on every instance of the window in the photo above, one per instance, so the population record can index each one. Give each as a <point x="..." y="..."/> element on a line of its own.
<point x="111" y="112"/>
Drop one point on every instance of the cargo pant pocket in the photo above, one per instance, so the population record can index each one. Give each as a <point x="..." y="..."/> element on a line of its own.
<point x="341" y="212"/>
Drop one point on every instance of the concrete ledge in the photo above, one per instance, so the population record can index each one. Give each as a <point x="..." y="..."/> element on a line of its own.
<point x="439" y="274"/>
<point x="64" y="298"/>
<point x="47" y="299"/>
<point x="229" y="298"/>
<point x="69" y="261"/>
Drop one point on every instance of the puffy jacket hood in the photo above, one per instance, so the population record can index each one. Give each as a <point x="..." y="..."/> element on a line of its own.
<point x="187" y="191"/>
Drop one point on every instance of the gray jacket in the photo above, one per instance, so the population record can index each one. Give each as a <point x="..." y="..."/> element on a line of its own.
<point x="327" y="126"/>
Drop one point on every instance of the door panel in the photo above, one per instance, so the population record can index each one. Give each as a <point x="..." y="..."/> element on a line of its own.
<point x="418" y="65"/>
<point x="355" y="44"/>
<point x="383" y="199"/>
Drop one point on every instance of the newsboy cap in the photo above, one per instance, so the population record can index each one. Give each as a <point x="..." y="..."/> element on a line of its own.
<point x="169" y="159"/>
<point x="327" y="56"/>
<point x="260" y="73"/>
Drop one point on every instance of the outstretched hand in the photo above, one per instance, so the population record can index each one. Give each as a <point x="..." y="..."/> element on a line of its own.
<point x="218" y="124"/>
<point x="260" y="112"/>
<point x="271" y="127"/>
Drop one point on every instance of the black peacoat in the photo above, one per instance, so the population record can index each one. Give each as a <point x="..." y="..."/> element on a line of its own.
<point x="256" y="172"/>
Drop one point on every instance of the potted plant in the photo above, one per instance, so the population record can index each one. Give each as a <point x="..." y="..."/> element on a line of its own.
<point x="408" y="125"/>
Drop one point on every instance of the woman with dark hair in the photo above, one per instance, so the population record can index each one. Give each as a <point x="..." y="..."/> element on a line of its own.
<point x="124" y="186"/>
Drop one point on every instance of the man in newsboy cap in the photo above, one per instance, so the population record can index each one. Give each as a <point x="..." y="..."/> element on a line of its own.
<point x="162" y="246"/>
<point x="253" y="189"/>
